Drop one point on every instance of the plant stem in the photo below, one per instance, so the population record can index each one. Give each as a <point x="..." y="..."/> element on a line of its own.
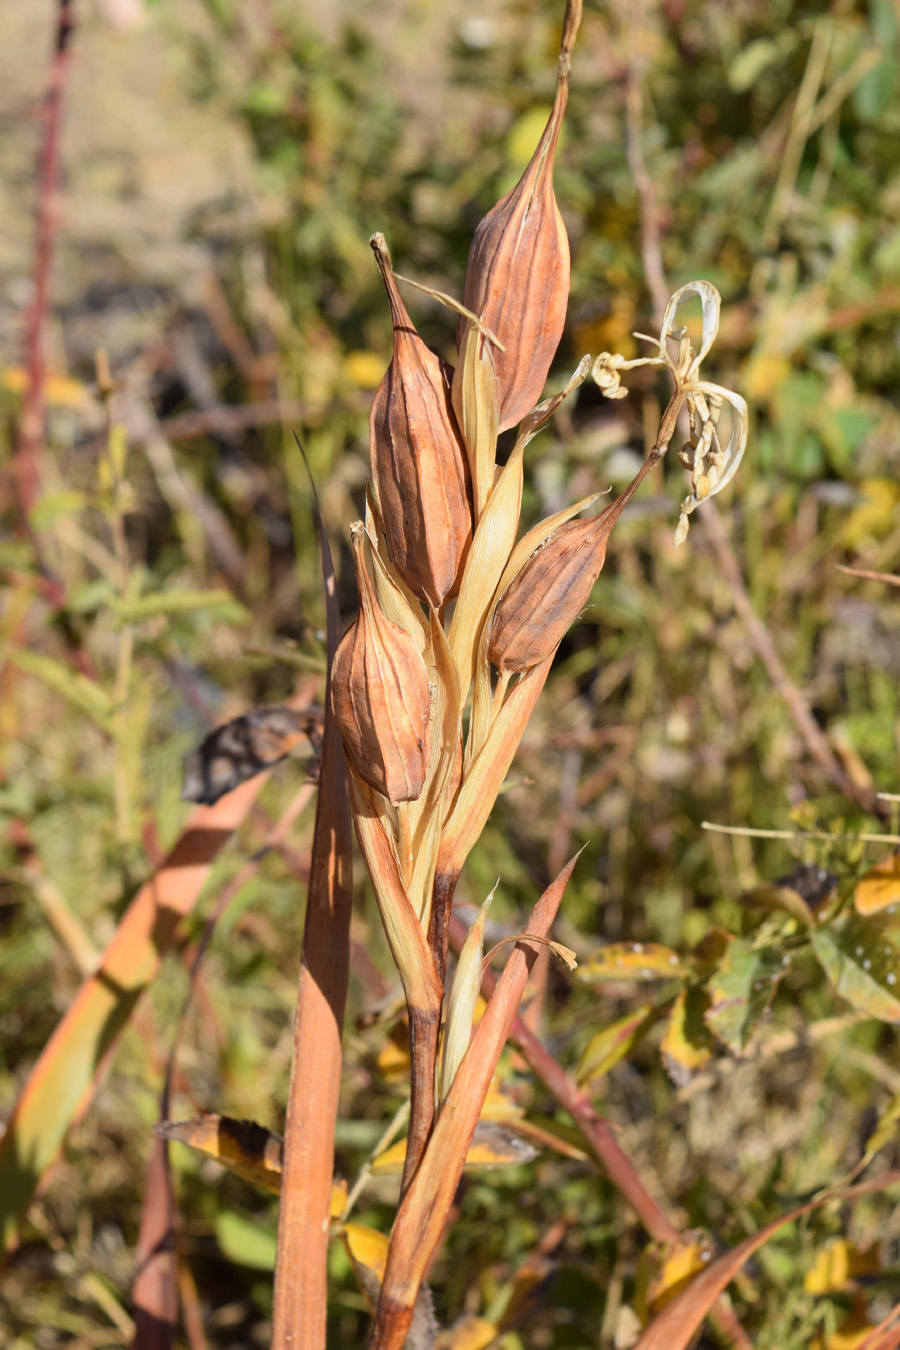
<point x="31" y="426"/>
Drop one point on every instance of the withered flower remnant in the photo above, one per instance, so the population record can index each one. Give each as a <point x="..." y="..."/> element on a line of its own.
<point x="710" y="463"/>
<point x="418" y="458"/>
<point x="380" y="695"/>
<point x="517" y="276"/>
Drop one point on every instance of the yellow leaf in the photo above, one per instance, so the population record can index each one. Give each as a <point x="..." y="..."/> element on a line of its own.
<point x="879" y="888"/>
<point x="472" y="1333"/>
<point x="854" y="1332"/>
<point x="875" y="515"/>
<point x="687" y="1043"/>
<point x="367" y="1247"/>
<point x="766" y="370"/>
<point x="364" y="369"/>
<point x="60" y="391"/>
<point x="682" y="1261"/>
<point x="837" y="1267"/>
<point x="393" y="1061"/>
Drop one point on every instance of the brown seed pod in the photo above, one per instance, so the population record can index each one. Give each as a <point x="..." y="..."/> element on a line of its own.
<point x="517" y="277"/>
<point x="544" y="599"/>
<point x="418" y="458"/>
<point x="380" y="696"/>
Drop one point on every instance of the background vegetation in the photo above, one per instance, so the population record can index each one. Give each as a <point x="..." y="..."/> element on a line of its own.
<point x="224" y="166"/>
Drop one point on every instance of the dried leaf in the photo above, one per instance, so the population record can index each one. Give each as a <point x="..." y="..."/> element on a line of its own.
<point x="879" y="889"/>
<point x="464" y="993"/>
<point x="246" y="745"/>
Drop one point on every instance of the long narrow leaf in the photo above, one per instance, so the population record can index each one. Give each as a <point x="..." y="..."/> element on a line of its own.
<point x="675" y="1326"/>
<point x="64" y="1077"/>
<point x="423" y="1212"/>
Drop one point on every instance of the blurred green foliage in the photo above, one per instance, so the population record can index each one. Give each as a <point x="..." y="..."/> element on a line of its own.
<point x="770" y="135"/>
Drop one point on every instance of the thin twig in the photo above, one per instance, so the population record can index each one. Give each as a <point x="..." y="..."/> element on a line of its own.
<point x="887" y="577"/>
<point x="761" y="640"/>
<point x="749" y="832"/>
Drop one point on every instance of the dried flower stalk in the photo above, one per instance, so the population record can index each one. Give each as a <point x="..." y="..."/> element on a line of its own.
<point x="444" y="525"/>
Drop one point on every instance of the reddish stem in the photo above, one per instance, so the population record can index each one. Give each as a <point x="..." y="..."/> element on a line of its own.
<point x="31" y="426"/>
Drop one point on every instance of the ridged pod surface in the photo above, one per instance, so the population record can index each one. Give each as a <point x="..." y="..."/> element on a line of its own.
<point x="381" y="697"/>
<point x="418" y="458"/>
<point x="517" y="276"/>
<point x="546" y="596"/>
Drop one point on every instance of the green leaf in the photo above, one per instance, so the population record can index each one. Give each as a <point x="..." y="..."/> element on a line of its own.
<point x="750" y="63"/>
<point x="16" y="554"/>
<point x="885" y="1130"/>
<point x="630" y="961"/>
<point x="244" y="1242"/>
<point x="178" y="602"/>
<point x="741" y="991"/>
<point x="875" y="91"/>
<point x="863" y="964"/>
<point x="62" y="679"/>
<point x="687" y="1044"/>
<point x="90" y="597"/>
<point x="615" y="1042"/>
<point x="56" y="507"/>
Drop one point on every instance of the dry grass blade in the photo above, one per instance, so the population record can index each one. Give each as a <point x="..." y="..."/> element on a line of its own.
<point x="63" y="1079"/>
<point x="301" y="1282"/>
<point x="676" y="1325"/>
<point x="420" y="1219"/>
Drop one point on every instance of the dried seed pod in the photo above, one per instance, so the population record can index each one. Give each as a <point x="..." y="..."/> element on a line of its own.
<point x="543" y="599"/>
<point x="380" y="696"/>
<point x="418" y="458"/>
<point x="517" y="277"/>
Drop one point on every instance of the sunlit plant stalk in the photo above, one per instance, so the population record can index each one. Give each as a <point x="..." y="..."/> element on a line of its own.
<point x="435" y="682"/>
